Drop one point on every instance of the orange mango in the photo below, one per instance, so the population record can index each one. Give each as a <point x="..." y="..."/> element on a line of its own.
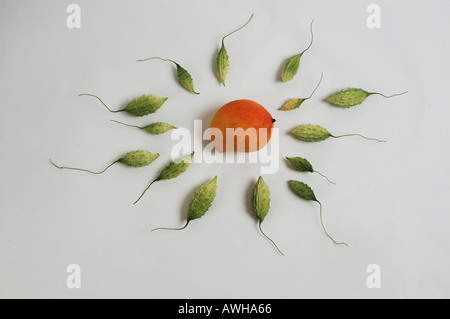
<point x="251" y="122"/>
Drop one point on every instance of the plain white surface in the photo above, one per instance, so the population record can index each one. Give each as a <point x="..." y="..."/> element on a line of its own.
<point x="390" y="202"/>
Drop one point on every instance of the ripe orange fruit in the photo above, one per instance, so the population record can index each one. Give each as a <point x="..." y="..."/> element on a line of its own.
<point x="253" y="123"/>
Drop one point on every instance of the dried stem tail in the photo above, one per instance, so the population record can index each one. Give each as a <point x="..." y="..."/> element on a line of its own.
<point x="159" y="228"/>
<point x="389" y="96"/>
<point x="127" y="124"/>
<point x="158" y="58"/>
<point x="85" y="94"/>
<point x="323" y="227"/>
<point x="367" y="138"/>
<point x="317" y="86"/>
<point x="312" y="37"/>
<point x="237" y="29"/>
<point x="325" y="177"/>
<point x="269" y="239"/>
<point x="82" y="169"/>
<point x="144" y="191"/>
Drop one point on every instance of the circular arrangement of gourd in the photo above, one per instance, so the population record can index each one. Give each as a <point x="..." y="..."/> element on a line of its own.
<point x="239" y="114"/>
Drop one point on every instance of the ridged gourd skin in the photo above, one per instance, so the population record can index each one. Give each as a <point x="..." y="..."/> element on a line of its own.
<point x="244" y="114"/>
<point x="199" y="203"/>
<point x="291" y="67"/>
<point x="158" y="128"/>
<point x="138" y="158"/>
<point x="261" y="205"/>
<point x="185" y="79"/>
<point x="172" y="170"/>
<point x="260" y="199"/>
<point x="202" y="199"/>
<point x="292" y="104"/>
<point x="303" y="190"/>
<point x="183" y="75"/>
<point x="311" y="133"/>
<point x="348" y="97"/>
<point x="300" y="164"/>
<point x="222" y="64"/>
<point x="144" y="105"/>
<point x="175" y="168"/>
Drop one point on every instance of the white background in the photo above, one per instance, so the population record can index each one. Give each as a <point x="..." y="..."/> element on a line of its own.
<point x="390" y="203"/>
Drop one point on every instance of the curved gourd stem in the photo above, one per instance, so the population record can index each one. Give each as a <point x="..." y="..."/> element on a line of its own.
<point x="367" y="138"/>
<point x="389" y="96"/>
<point x="312" y="37"/>
<point x="100" y="101"/>
<point x="82" y="169"/>
<point x="323" y="227"/>
<point x="171" y="228"/>
<point x="317" y="86"/>
<point x="325" y="177"/>
<point x="269" y="239"/>
<point x="237" y="29"/>
<point x="127" y="124"/>
<point x="158" y="58"/>
<point x="144" y="191"/>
